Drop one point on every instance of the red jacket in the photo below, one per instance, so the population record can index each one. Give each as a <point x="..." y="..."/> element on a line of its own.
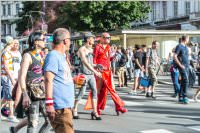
<point x="102" y="56"/>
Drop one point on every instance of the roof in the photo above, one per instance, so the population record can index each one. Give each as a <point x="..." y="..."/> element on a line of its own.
<point x="162" y="32"/>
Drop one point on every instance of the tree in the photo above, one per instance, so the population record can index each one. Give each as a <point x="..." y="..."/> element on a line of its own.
<point x="101" y="16"/>
<point x="96" y="16"/>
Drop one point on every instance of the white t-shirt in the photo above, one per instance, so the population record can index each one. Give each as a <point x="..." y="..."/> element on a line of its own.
<point x="16" y="59"/>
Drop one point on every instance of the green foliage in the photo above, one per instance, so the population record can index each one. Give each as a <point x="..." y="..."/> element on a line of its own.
<point x="101" y="16"/>
<point x="25" y="21"/>
<point x="96" y="16"/>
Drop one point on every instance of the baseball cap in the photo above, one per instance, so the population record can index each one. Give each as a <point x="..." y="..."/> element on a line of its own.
<point x="87" y="35"/>
<point x="9" y="39"/>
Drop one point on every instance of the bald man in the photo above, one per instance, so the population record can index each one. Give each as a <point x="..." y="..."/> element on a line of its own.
<point x="102" y="56"/>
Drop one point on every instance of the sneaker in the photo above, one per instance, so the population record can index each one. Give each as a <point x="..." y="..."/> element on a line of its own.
<point x="12" y="130"/>
<point x="153" y="96"/>
<point x="185" y="100"/>
<point x="147" y="94"/>
<point x="180" y="100"/>
<point x="13" y="119"/>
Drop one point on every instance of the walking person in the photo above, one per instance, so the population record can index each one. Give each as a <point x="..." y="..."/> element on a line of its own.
<point x="152" y="63"/>
<point x="105" y="84"/>
<point x="121" y="60"/>
<point x="139" y="68"/>
<point x="85" y="54"/>
<point x="175" y="77"/>
<point x="8" y="80"/>
<point x="31" y="78"/>
<point x="59" y="84"/>
<point x="181" y="58"/>
<point x="129" y="65"/>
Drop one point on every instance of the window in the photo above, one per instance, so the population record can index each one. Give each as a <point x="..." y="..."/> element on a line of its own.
<point x="175" y="8"/>
<point x="17" y="8"/>
<point x="9" y="29"/>
<point x="9" y="9"/>
<point x="3" y="29"/>
<point x="154" y="10"/>
<point x="198" y="6"/>
<point x="4" y="10"/>
<point x="187" y="8"/>
<point x="164" y="4"/>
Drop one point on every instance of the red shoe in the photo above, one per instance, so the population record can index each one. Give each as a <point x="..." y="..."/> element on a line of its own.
<point x="122" y="110"/>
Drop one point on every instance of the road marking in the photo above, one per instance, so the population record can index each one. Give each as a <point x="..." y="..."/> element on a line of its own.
<point x="196" y="128"/>
<point x="127" y="103"/>
<point x="156" y="131"/>
<point x="162" y="102"/>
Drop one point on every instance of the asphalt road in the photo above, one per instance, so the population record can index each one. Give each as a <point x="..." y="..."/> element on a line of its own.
<point x="145" y="115"/>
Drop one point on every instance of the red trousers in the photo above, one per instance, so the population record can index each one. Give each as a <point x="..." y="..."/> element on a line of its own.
<point x="107" y="86"/>
<point x="102" y="96"/>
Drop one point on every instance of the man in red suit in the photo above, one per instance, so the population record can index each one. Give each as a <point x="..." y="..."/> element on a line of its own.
<point x="102" y="57"/>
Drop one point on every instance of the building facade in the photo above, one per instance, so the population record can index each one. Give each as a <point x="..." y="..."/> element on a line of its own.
<point x="172" y="15"/>
<point x="9" y="13"/>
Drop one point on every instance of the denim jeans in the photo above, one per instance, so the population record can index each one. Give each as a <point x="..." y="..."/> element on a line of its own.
<point x="184" y="81"/>
<point x="33" y="117"/>
<point x="175" y="78"/>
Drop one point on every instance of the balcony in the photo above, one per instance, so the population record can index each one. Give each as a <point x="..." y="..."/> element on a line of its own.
<point x="9" y="17"/>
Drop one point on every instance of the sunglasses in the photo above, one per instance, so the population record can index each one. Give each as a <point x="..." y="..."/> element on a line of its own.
<point x="106" y="37"/>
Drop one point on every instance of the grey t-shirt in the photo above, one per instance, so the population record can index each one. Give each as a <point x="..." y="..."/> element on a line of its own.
<point x="153" y="58"/>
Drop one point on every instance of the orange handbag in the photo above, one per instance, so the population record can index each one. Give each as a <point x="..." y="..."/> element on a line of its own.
<point x="79" y="81"/>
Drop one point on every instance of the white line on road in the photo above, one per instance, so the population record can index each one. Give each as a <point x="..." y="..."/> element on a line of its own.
<point x="196" y="128"/>
<point x="156" y="131"/>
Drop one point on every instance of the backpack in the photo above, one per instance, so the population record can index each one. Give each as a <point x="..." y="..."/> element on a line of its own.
<point x="123" y="60"/>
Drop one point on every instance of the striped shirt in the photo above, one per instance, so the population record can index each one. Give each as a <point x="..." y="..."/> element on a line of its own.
<point x="6" y="56"/>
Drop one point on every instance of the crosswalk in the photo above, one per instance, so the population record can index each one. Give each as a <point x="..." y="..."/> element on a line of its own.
<point x="194" y="128"/>
<point x="141" y="103"/>
<point x="163" y="98"/>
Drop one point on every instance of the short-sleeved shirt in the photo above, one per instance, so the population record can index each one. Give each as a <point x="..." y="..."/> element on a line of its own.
<point x="16" y="59"/>
<point x="139" y="55"/>
<point x="63" y="86"/>
<point x="153" y="57"/>
<point x="6" y="56"/>
<point x="182" y="53"/>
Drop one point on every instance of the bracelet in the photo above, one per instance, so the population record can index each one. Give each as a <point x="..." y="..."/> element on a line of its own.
<point x="49" y="101"/>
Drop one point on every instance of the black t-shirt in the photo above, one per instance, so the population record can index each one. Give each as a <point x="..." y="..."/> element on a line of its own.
<point x="144" y="58"/>
<point x="139" y="55"/>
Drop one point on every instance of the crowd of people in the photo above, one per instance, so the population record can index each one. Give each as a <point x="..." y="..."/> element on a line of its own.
<point x="38" y="81"/>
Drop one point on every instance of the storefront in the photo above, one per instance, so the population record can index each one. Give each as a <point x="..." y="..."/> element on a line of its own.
<point x="168" y="39"/>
